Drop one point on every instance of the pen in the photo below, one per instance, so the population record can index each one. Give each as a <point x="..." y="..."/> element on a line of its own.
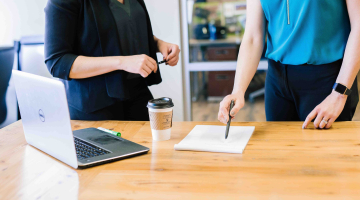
<point x="110" y="131"/>
<point x="161" y="62"/>
<point x="228" y="124"/>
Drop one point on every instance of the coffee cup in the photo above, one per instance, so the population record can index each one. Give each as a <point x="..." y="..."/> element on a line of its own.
<point x="161" y="114"/>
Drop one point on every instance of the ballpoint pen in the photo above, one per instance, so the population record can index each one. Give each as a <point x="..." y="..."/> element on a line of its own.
<point x="161" y="62"/>
<point x="228" y="124"/>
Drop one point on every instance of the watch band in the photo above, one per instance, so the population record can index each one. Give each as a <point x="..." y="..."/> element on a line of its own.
<point x="342" y="89"/>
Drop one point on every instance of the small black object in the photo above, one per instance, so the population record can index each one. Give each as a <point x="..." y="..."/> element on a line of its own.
<point x="161" y="62"/>
<point x="342" y="89"/>
<point x="228" y="124"/>
<point x="217" y="32"/>
<point x="201" y="32"/>
<point x="160" y="103"/>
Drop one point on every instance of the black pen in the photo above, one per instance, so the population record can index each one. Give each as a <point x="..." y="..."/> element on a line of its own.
<point x="161" y="62"/>
<point x="228" y="124"/>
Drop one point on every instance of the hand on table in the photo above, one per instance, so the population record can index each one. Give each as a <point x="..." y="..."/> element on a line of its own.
<point x="138" y="64"/>
<point x="223" y="115"/>
<point x="328" y="110"/>
<point x="170" y="52"/>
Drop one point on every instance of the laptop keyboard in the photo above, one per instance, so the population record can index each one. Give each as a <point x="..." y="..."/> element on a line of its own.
<point x="86" y="150"/>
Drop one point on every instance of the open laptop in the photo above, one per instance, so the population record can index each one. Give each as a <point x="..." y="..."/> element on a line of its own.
<point x="46" y="121"/>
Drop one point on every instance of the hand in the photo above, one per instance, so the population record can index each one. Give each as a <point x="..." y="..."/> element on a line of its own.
<point x="170" y="52"/>
<point x="328" y="110"/>
<point x="239" y="101"/>
<point x="138" y="64"/>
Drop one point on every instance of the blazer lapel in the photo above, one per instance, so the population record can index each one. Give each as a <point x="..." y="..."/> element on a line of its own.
<point x="110" y="46"/>
<point x="116" y="84"/>
<point x="106" y="28"/>
<point x="153" y="78"/>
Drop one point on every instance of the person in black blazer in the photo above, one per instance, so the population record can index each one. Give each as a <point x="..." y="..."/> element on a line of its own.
<point x="104" y="51"/>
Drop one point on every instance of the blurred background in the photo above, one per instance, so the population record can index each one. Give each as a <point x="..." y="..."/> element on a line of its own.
<point x="209" y="33"/>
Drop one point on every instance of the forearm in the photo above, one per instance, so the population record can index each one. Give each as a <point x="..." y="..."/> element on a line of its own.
<point x="351" y="62"/>
<point x="85" y="67"/>
<point x="248" y="60"/>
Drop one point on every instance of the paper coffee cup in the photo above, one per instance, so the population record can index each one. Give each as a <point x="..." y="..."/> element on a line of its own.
<point x="161" y="114"/>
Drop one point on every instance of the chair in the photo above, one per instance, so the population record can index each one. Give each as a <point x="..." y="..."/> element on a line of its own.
<point x="6" y="66"/>
<point x="31" y="56"/>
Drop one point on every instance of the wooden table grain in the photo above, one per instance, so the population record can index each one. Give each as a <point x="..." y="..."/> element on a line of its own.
<point x="281" y="161"/>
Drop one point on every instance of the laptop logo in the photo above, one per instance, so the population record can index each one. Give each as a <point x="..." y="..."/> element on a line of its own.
<point x="41" y="115"/>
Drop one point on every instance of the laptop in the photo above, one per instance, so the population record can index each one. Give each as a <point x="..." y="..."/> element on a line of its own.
<point x="46" y="121"/>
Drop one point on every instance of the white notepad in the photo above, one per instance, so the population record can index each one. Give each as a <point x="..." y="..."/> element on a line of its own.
<point x="212" y="138"/>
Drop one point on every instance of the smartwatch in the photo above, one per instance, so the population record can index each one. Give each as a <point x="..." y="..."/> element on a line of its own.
<point x="342" y="89"/>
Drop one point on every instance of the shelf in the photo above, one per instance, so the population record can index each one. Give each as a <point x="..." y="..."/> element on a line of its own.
<point x="220" y="66"/>
<point x="227" y="41"/>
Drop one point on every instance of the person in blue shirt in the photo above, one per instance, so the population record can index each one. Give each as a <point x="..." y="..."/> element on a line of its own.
<point x="313" y="51"/>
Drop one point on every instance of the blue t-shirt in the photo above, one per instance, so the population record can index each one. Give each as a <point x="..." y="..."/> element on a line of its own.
<point x="306" y="31"/>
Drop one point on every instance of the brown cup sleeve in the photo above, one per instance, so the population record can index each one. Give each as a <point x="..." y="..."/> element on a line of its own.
<point x="161" y="120"/>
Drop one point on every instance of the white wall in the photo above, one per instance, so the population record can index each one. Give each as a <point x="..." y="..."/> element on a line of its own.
<point x="165" y="19"/>
<point x="7" y="22"/>
<point x="21" y="18"/>
<point x="27" y="17"/>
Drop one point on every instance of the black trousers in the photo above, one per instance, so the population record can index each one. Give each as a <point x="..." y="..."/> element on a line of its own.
<point x="133" y="109"/>
<point x="293" y="91"/>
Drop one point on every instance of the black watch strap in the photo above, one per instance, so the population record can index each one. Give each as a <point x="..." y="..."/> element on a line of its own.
<point x="342" y="89"/>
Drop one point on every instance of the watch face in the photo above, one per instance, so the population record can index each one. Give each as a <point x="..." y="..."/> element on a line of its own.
<point x="342" y="89"/>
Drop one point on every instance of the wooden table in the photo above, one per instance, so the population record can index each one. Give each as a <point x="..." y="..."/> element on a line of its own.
<point x="281" y="161"/>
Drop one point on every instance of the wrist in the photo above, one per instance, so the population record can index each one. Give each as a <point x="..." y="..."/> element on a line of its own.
<point x="338" y="96"/>
<point x="238" y="93"/>
<point x="159" y="43"/>
<point x="118" y="63"/>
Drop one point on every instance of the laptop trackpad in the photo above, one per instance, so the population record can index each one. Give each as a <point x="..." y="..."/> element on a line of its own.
<point x="103" y="139"/>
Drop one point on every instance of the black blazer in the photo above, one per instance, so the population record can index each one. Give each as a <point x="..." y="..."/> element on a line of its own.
<point x="87" y="27"/>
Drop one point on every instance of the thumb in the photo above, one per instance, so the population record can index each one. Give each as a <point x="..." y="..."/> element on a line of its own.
<point x="238" y="105"/>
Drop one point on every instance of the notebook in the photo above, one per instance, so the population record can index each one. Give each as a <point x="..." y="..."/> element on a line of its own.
<point x="212" y="138"/>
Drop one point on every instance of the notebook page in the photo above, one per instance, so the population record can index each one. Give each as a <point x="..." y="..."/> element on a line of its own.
<point x="212" y="138"/>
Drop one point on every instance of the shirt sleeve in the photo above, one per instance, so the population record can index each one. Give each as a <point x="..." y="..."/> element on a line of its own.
<point x="61" y="20"/>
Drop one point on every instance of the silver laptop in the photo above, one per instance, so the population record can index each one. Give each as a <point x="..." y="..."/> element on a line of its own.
<point x="46" y="121"/>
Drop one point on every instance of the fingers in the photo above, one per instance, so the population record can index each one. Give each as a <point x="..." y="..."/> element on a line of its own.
<point x="148" y="68"/>
<point x="224" y="110"/>
<point x="144" y="73"/>
<point x="225" y="114"/>
<point x="151" y="67"/>
<point x="173" y="62"/>
<point x="147" y="64"/>
<point x="330" y="122"/>
<point x="174" y="53"/>
<point x="165" y="54"/>
<point x="324" y="121"/>
<point x="238" y="105"/>
<point x="221" y="117"/>
<point x="322" y="124"/>
<point x="309" y="118"/>
<point x="152" y="63"/>
<point x="318" y="119"/>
